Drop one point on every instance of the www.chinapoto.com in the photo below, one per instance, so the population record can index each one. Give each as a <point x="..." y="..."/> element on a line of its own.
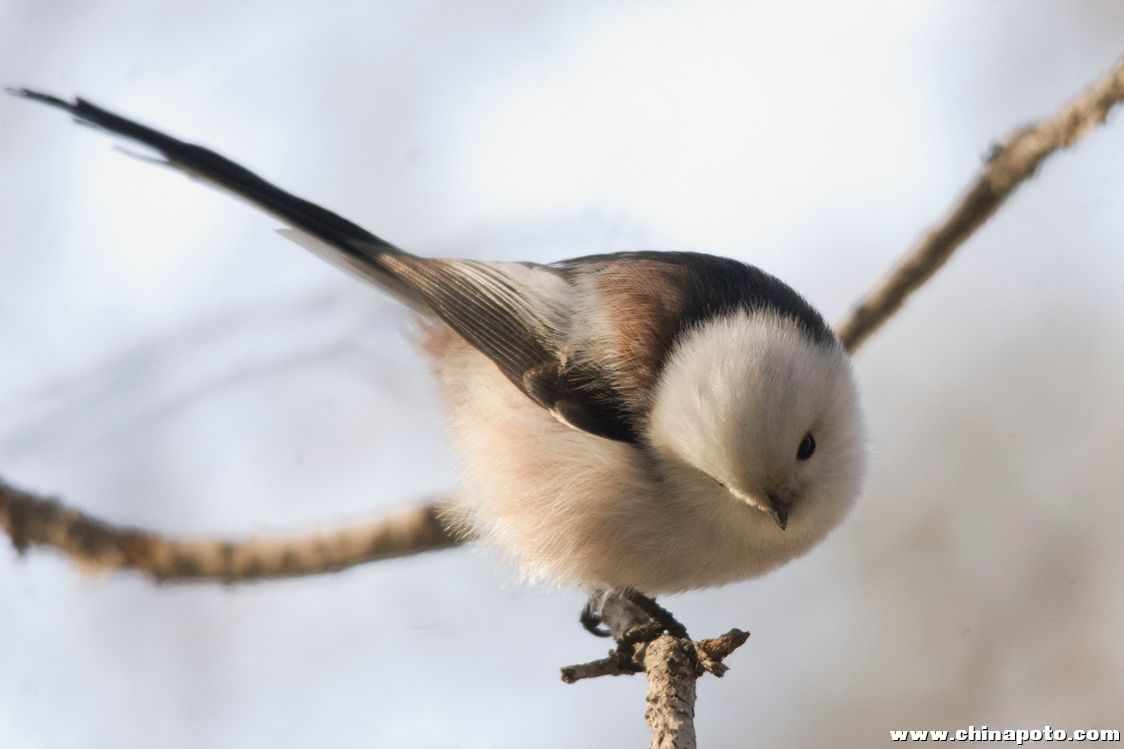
<point x="1017" y="736"/>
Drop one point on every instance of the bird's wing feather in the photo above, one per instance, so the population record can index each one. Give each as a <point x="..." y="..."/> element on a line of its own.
<point x="516" y="314"/>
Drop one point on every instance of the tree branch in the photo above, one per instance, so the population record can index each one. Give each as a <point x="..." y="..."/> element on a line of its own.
<point x="1010" y="164"/>
<point x="672" y="665"/>
<point x="94" y="544"/>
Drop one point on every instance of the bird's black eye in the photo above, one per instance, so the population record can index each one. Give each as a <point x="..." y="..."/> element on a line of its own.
<point x="807" y="447"/>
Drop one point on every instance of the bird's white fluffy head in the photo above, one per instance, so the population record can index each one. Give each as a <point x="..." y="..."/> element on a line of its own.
<point x="737" y="397"/>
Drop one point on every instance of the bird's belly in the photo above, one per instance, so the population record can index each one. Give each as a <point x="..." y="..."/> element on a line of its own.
<point x="570" y="508"/>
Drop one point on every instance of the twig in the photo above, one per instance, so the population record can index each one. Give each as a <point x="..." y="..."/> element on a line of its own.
<point x="100" y="546"/>
<point x="610" y="666"/>
<point x="709" y="653"/>
<point x="1010" y="164"/>
<point x="672" y="670"/>
<point x="671" y="663"/>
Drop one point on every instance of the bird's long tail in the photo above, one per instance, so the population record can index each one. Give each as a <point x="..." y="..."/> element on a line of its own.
<point x="334" y="237"/>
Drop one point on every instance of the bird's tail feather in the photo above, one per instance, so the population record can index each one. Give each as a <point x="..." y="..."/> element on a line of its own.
<point x="338" y="240"/>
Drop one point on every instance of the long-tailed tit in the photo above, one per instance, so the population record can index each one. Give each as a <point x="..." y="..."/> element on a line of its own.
<point x="649" y="421"/>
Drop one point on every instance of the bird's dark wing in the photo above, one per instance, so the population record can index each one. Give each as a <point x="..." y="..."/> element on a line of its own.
<point x="516" y="314"/>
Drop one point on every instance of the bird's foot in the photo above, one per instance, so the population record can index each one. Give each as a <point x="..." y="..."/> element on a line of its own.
<point x="591" y="620"/>
<point x="612" y="614"/>
<point x="632" y="619"/>
<point x="627" y="651"/>
<point x="656" y="613"/>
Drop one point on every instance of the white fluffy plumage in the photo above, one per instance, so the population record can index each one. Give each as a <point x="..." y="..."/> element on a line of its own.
<point x="732" y="405"/>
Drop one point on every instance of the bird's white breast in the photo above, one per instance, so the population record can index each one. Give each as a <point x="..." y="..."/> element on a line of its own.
<point x="570" y="508"/>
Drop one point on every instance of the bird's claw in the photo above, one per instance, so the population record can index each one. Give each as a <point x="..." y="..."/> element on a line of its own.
<point x="636" y="635"/>
<point x="658" y="614"/>
<point x="591" y="620"/>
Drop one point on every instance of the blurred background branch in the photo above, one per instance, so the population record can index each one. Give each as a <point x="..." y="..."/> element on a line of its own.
<point x="98" y="546"/>
<point x="1009" y="165"/>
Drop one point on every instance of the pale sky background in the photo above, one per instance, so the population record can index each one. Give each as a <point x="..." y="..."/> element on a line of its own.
<point x="169" y="361"/>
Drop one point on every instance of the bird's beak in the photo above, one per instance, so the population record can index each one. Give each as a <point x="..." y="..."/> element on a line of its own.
<point x="778" y="510"/>
<point x="773" y="505"/>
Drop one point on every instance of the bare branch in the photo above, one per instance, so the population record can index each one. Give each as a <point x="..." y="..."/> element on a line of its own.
<point x="672" y="664"/>
<point x="709" y="653"/>
<point x="610" y="666"/>
<point x="100" y="546"/>
<point x="1010" y="165"/>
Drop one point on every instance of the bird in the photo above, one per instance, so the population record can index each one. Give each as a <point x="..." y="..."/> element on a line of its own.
<point x="647" y="422"/>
